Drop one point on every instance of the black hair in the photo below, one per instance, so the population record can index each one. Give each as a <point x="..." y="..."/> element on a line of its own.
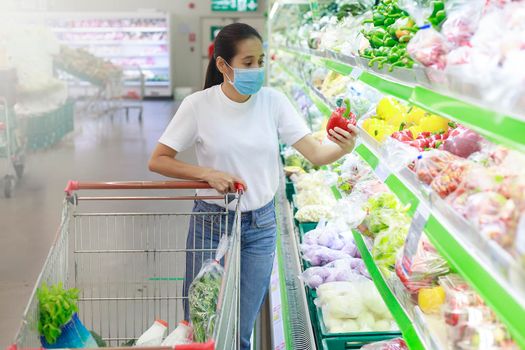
<point x="225" y="46"/>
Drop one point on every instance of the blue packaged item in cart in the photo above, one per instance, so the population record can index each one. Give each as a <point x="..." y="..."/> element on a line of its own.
<point x="73" y="335"/>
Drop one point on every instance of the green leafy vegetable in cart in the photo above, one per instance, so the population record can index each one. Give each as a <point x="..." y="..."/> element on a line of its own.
<point x="56" y="307"/>
<point x="204" y="293"/>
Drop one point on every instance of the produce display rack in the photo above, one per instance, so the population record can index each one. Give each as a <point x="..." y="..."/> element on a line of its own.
<point x="406" y="85"/>
<point x="490" y="270"/>
<point x="123" y="52"/>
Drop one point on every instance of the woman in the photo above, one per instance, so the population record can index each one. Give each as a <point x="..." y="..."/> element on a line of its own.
<point x="235" y="124"/>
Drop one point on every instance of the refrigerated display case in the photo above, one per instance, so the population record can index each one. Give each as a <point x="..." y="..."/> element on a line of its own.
<point x="137" y="42"/>
<point x="308" y="53"/>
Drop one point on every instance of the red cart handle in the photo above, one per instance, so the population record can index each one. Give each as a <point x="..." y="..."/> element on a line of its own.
<point x="73" y="186"/>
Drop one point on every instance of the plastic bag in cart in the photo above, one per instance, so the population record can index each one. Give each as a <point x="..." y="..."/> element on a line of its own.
<point x="204" y="293"/>
<point x="393" y="344"/>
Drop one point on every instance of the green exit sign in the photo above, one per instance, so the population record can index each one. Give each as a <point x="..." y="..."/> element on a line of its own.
<point x="234" y="5"/>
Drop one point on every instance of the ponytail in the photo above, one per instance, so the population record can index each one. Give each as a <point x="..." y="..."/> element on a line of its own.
<point x="213" y="76"/>
<point x="225" y="46"/>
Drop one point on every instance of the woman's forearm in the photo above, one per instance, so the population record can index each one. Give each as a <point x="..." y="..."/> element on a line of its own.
<point x="171" y="167"/>
<point x="327" y="154"/>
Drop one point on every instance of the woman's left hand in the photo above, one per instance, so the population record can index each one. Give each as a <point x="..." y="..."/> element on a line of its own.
<point x="344" y="139"/>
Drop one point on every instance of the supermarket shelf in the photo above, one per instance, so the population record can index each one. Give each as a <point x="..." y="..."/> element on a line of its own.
<point x="405" y="84"/>
<point x="490" y="270"/>
<point x="109" y="29"/>
<point x="112" y="42"/>
<point x="410" y="327"/>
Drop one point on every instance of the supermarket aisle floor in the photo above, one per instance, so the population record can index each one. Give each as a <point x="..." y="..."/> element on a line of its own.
<point x="98" y="150"/>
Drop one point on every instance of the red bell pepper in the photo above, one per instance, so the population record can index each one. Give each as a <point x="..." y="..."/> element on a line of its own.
<point x="340" y="117"/>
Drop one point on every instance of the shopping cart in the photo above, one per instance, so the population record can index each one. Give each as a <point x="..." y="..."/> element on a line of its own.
<point x="129" y="265"/>
<point x="12" y="148"/>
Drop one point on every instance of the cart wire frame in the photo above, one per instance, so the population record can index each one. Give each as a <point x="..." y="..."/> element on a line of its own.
<point x="129" y="266"/>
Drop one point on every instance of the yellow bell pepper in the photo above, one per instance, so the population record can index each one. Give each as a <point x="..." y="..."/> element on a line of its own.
<point x="387" y="107"/>
<point x="378" y="128"/>
<point x="415" y="115"/>
<point x="433" y="123"/>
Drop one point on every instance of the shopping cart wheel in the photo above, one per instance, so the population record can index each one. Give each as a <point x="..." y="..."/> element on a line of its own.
<point x="9" y="185"/>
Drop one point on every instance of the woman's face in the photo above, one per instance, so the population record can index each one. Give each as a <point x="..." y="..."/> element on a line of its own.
<point x="250" y="54"/>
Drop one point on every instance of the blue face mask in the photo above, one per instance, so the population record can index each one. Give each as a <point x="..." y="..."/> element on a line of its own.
<point x="247" y="81"/>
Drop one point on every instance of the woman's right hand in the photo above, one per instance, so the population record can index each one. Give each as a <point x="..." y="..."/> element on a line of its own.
<point x="223" y="182"/>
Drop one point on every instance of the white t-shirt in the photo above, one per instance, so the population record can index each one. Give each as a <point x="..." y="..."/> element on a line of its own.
<point x="237" y="138"/>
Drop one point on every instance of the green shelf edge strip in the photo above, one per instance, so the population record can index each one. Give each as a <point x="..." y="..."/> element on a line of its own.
<point x="510" y="312"/>
<point x="405" y="324"/>
<point x="499" y="128"/>
<point x="282" y="284"/>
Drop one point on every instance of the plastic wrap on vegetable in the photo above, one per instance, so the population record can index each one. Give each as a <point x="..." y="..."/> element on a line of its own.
<point x="204" y="293"/>
<point x="492" y="214"/>
<point x="392" y="344"/>
<point x="468" y="319"/>
<point x="384" y="211"/>
<point x="333" y="235"/>
<point x="462" y="142"/>
<point x="428" y="46"/>
<point x="367" y="189"/>
<point x="350" y="210"/>
<point x="351" y="269"/>
<point x="353" y="170"/>
<point x="430" y="164"/>
<point x="421" y="268"/>
<point x="462" y="21"/>
<point x="313" y="213"/>
<point x="387" y="245"/>
<point x="450" y="178"/>
<point x="397" y="154"/>
<point x="353" y="307"/>
<point x="318" y="255"/>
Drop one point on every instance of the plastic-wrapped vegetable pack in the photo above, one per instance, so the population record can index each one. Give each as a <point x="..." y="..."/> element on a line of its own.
<point x="423" y="268"/>
<point x="348" y="269"/>
<point x="428" y="46"/>
<point x="387" y="245"/>
<point x="328" y="242"/>
<point x="490" y="199"/>
<point x="392" y="344"/>
<point x="353" y="307"/>
<point x="470" y="324"/>
<point x="353" y="170"/>
<point x="204" y="293"/>
<point x="384" y="211"/>
<point x="449" y="179"/>
<point x="430" y="164"/>
<point x="313" y="213"/>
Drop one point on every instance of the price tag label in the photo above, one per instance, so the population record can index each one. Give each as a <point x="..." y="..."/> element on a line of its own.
<point x="382" y="172"/>
<point x="416" y="230"/>
<point x="356" y="73"/>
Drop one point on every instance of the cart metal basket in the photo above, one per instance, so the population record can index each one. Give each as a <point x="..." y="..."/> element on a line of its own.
<point x="129" y="266"/>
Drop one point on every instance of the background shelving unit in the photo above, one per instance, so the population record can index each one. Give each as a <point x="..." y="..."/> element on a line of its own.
<point x="136" y="42"/>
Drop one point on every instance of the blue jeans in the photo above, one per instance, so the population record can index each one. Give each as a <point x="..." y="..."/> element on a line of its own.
<point x="258" y="238"/>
